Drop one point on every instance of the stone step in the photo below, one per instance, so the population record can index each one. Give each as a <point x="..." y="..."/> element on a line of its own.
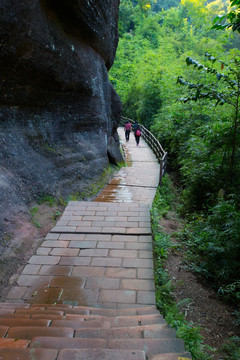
<point x="71" y="354"/>
<point x="47" y="342"/>
<point x="122" y="321"/>
<point x="147" y="310"/>
<point x="28" y="354"/>
<point x="150" y="346"/>
<point x="135" y="332"/>
<point x="182" y="356"/>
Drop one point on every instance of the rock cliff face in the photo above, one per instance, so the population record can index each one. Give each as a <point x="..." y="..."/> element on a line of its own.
<point x="58" y="110"/>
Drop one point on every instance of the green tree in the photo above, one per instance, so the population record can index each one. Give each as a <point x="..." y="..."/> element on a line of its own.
<point x="224" y="90"/>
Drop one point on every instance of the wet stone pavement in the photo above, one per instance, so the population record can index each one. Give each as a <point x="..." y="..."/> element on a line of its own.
<point x="88" y="292"/>
<point x="100" y="253"/>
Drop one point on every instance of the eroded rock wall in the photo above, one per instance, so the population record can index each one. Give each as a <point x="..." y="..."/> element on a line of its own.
<point x="58" y="110"/>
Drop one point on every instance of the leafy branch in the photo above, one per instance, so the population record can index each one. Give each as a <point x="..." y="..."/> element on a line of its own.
<point x="210" y="91"/>
<point x="230" y="20"/>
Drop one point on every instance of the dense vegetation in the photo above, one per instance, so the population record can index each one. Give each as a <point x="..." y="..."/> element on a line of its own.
<point x="180" y="77"/>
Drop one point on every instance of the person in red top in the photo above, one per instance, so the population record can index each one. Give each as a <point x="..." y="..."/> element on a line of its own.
<point x="128" y="128"/>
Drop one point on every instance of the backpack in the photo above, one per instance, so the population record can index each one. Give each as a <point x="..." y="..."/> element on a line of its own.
<point x="128" y="126"/>
<point x="138" y="132"/>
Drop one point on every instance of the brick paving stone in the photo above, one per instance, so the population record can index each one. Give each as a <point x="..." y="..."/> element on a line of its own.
<point x="110" y="245"/>
<point x="145" y="273"/>
<point x="72" y="237"/>
<point x="67" y="283"/>
<point x="51" y="236"/>
<point x="135" y="284"/>
<point x="124" y="253"/>
<point x="33" y="280"/>
<point x="27" y="354"/>
<point x="55" y="243"/>
<point x="121" y="273"/>
<point x="145" y="239"/>
<point x="113" y="230"/>
<point x="88" y="229"/>
<point x="139" y="230"/>
<point x="125" y="238"/>
<point x="43" y="251"/>
<point x="72" y="261"/>
<point x="12" y="344"/>
<point x="16" y="292"/>
<point x="64" y="252"/>
<point x="98" y="237"/>
<point x="83" y="244"/>
<point x="44" y="260"/>
<point x="59" y="229"/>
<point x="81" y="223"/>
<point x="146" y="297"/>
<point x="80" y="296"/>
<point x="138" y="263"/>
<point x="100" y="261"/>
<point x="73" y="324"/>
<point x="88" y="271"/>
<point x="55" y="270"/>
<point x="138" y="246"/>
<point x="93" y="218"/>
<point x="145" y="254"/>
<point x="94" y="252"/>
<point x="102" y="283"/>
<point x="31" y="269"/>
<point x="106" y="213"/>
<point x="84" y="213"/>
<point x="103" y="223"/>
<point x="10" y="322"/>
<point x="126" y="296"/>
<point x="14" y="305"/>
<point x="49" y="317"/>
<point x="29" y="332"/>
<point x="116" y="218"/>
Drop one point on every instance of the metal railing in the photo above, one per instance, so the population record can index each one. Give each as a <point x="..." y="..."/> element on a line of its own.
<point x="154" y="145"/>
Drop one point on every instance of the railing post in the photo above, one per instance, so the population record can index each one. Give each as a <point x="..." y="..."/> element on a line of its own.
<point x="161" y="171"/>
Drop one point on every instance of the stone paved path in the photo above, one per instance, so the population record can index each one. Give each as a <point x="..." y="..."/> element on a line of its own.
<point x="100" y="253"/>
<point x="88" y="292"/>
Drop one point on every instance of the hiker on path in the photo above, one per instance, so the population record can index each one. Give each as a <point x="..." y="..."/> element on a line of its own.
<point x="128" y="128"/>
<point x="137" y="132"/>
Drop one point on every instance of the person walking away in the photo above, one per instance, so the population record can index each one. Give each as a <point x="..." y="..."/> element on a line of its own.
<point x="136" y="127"/>
<point x="137" y="136"/>
<point x="128" y="128"/>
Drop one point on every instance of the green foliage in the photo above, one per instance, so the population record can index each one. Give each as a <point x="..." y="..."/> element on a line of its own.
<point x="202" y="139"/>
<point x="34" y="211"/>
<point x="164" y="289"/>
<point x="49" y="199"/>
<point x="231" y="349"/>
<point x="214" y="248"/>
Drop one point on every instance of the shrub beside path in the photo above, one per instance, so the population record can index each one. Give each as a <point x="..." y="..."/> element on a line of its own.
<point x="88" y="292"/>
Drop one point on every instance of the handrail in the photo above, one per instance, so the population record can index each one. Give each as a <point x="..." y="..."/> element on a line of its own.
<point x="154" y="145"/>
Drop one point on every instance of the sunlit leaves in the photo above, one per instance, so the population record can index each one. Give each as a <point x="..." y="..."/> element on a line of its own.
<point x="230" y="20"/>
